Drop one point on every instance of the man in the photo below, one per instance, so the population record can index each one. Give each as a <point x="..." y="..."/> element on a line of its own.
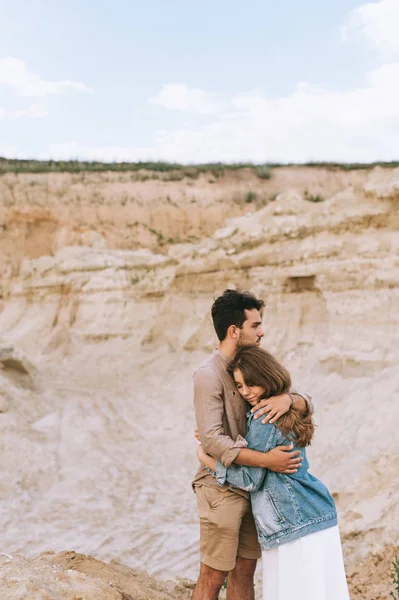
<point x="228" y="538"/>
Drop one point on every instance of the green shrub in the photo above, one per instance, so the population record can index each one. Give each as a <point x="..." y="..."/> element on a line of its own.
<point x="263" y="172"/>
<point x="313" y="197"/>
<point x="250" y="197"/>
<point x="158" y="234"/>
<point x="174" y="240"/>
<point x="395" y="578"/>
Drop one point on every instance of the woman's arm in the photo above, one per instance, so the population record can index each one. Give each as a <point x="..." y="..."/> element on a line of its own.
<point x="204" y="458"/>
<point x="259" y="437"/>
<point x="276" y="406"/>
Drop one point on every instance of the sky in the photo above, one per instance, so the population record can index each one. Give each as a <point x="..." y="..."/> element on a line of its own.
<point x="220" y="80"/>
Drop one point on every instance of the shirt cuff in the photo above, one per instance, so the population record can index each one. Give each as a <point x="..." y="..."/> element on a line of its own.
<point x="240" y="442"/>
<point x="221" y="472"/>
<point x="229" y="455"/>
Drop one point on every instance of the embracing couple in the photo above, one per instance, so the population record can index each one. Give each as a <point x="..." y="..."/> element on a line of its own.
<point x="256" y="497"/>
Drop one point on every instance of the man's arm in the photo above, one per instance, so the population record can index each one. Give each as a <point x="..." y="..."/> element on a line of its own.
<point x="209" y="409"/>
<point x="281" y="459"/>
<point x="260" y="437"/>
<point x="277" y="406"/>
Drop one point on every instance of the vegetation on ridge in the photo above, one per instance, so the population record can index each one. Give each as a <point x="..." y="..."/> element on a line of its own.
<point x="76" y="166"/>
<point x="176" y="171"/>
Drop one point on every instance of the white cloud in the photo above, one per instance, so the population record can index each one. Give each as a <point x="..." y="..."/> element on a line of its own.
<point x="309" y="124"/>
<point x="312" y="123"/>
<point x="378" y="22"/>
<point x="14" y="74"/>
<point x="34" y="111"/>
<point x="178" y="96"/>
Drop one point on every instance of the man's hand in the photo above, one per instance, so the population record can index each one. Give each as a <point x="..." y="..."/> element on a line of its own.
<point x="196" y="434"/>
<point x="275" y="407"/>
<point x="283" y="460"/>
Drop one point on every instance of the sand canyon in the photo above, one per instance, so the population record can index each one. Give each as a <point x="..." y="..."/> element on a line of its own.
<point x="105" y="290"/>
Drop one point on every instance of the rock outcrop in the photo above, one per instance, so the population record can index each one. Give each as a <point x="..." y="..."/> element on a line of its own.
<point x="72" y="576"/>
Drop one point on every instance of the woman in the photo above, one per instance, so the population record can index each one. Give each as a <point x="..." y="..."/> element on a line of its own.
<point x="295" y="515"/>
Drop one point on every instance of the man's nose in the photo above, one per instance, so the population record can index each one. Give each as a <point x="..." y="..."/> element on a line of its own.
<point x="261" y="333"/>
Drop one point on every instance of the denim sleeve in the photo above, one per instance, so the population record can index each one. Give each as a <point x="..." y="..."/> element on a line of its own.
<point x="259" y="437"/>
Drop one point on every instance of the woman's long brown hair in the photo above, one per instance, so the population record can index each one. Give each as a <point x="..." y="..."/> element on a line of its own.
<point x="258" y="367"/>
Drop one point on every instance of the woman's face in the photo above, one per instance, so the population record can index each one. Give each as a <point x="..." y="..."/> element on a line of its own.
<point x="251" y="393"/>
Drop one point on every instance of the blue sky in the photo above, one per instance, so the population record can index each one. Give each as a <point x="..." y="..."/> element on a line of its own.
<point x="221" y="80"/>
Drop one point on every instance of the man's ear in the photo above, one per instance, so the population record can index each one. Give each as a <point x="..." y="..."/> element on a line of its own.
<point x="233" y="332"/>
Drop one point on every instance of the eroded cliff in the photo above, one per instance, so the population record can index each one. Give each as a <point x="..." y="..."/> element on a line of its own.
<point x="101" y="327"/>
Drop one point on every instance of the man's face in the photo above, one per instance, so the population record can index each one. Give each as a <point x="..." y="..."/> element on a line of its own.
<point x="251" y="332"/>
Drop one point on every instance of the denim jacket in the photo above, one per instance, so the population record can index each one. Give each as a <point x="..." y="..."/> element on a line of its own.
<point x="285" y="507"/>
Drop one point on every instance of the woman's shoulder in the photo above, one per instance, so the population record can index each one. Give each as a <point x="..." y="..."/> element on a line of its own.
<point x="256" y="424"/>
<point x="267" y="430"/>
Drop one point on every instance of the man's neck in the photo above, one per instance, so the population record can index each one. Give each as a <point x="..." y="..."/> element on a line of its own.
<point x="228" y="348"/>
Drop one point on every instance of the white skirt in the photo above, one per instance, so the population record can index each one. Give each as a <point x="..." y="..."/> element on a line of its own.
<point x="310" y="568"/>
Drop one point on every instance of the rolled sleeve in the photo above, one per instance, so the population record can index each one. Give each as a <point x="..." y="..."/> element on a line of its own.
<point x="307" y="398"/>
<point x="231" y="454"/>
<point x="228" y="456"/>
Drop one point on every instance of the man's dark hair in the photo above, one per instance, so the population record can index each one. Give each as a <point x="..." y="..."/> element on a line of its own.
<point x="229" y="309"/>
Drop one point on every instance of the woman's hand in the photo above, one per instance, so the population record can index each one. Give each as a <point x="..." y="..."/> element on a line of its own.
<point x="201" y="454"/>
<point x="205" y="459"/>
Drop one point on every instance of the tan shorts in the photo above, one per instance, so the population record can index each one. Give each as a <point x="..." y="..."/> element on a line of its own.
<point x="227" y="527"/>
